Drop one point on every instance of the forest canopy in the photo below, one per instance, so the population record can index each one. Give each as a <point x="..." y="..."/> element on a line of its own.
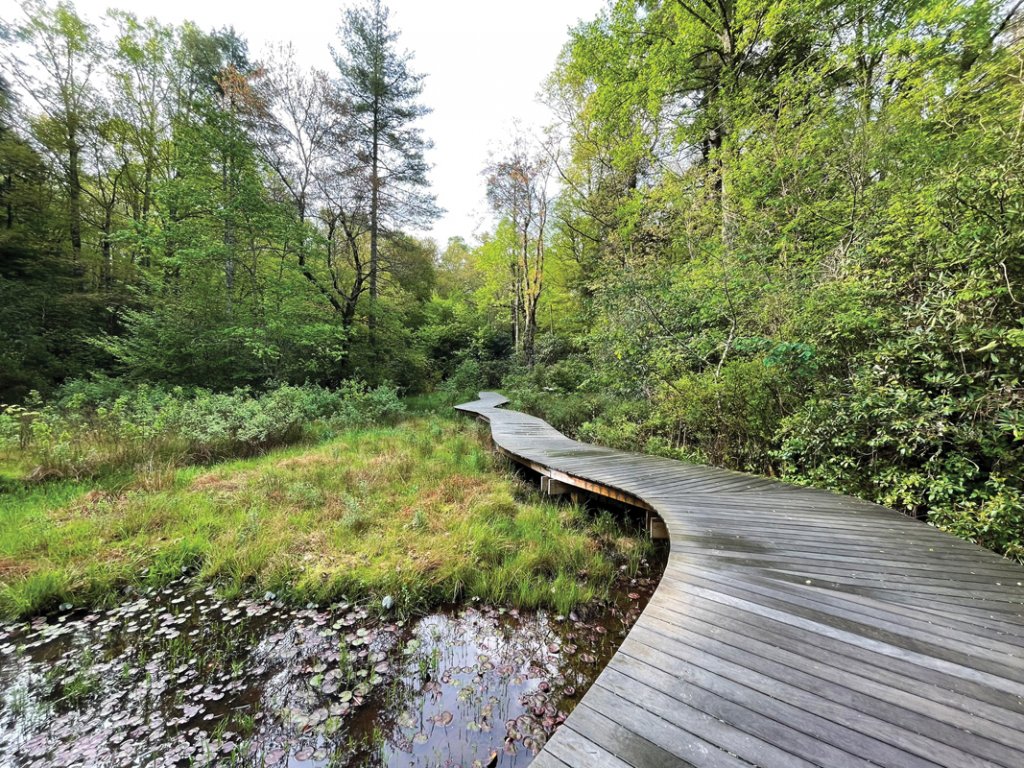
<point x="178" y="211"/>
<point x="782" y="237"/>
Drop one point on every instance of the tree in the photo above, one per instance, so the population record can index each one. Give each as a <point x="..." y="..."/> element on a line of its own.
<point x="66" y="56"/>
<point x="43" y="312"/>
<point x="382" y="91"/>
<point x="797" y="235"/>
<point x="306" y="141"/>
<point x="172" y="211"/>
<point x="456" y="272"/>
<point x="518" y="191"/>
<point x="143" y="100"/>
<point x="7" y="183"/>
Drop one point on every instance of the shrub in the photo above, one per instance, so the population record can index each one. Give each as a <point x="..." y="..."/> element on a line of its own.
<point x="467" y="380"/>
<point x="358" y="405"/>
<point x="919" y="426"/>
<point x="94" y="428"/>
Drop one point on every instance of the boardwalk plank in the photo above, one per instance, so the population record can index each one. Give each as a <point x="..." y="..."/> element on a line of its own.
<point x="978" y="701"/>
<point x="946" y="724"/>
<point x="792" y="627"/>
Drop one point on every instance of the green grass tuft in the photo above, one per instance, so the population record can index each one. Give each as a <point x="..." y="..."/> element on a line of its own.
<point x="415" y="511"/>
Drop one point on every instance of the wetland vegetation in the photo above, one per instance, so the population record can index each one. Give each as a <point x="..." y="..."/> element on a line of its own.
<point x="359" y="582"/>
<point x="238" y="522"/>
<point x="177" y="676"/>
<point x="413" y="511"/>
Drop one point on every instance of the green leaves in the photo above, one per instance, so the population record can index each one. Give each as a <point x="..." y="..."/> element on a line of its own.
<point x="799" y="228"/>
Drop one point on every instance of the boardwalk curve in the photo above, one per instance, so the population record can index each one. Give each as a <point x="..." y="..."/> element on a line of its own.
<point x="792" y="627"/>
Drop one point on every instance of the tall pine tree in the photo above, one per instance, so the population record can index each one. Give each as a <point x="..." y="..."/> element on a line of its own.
<point x="383" y="91"/>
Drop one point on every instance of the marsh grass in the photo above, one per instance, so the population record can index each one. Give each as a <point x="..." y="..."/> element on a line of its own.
<point x="416" y="511"/>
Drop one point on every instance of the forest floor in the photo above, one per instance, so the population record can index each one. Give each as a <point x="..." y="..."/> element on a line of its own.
<point x="413" y="512"/>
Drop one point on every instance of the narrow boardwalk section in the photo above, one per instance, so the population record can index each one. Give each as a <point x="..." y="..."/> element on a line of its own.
<point x="792" y="627"/>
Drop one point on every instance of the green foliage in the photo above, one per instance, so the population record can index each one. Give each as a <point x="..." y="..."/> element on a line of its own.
<point x="415" y="511"/>
<point x="790" y="239"/>
<point x="557" y="392"/>
<point x="377" y="76"/>
<point x="96" y="428"/>
<point x="159" y="220"/>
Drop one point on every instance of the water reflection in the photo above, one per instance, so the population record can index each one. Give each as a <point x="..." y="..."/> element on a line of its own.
<point x="179" y="677"/>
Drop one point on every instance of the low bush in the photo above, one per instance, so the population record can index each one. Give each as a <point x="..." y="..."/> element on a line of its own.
<point x="96" y="427"/>
<point x="925" y="428"/>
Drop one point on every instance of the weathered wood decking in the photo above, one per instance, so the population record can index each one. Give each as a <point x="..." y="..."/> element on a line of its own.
<point x="792" y="627"/>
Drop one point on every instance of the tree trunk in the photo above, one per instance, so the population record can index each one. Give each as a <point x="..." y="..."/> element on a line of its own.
<point x="8" y="188"/>
<point x="375" y="171"/>
<point x="229" y="237"/>
<point x="517" y="293"/>
<point x="530" y="333"/>
<point x="535" y="287"/>
<point x="374" y="223"/>
<point x="147" y="185"/>
<point x="108" y="257"/>
<point x="74" y="201"/>
<point x="524" y="290"/>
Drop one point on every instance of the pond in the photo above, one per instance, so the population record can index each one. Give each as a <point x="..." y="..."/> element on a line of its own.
<point x="177" y="677"/>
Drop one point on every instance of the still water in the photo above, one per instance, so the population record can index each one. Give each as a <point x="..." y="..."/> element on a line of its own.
<point x="179" y="677"/>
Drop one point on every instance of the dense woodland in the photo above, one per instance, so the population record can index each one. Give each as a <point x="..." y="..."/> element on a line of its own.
<point x="784" y="237"/>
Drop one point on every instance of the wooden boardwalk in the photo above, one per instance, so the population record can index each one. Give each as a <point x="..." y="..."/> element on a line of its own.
<point x="792" y="627"/>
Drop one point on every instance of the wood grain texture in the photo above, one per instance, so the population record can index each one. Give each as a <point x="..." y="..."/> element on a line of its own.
<point x="792" y="627"/>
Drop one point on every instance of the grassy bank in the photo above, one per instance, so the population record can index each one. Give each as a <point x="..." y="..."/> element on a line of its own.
<point x="414" y="511"/>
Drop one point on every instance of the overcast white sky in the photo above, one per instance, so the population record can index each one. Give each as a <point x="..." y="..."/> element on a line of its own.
<point x="485" y="61"/>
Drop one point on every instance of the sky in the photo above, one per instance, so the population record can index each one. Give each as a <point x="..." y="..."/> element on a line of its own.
<point x="485" y="61"/>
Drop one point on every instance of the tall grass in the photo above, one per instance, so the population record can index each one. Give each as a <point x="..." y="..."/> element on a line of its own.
<point x="414" y="511"/>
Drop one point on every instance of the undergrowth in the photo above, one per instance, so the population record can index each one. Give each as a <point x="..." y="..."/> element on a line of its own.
<point x="414" y="511"/>
<point x="96" y="428"/>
